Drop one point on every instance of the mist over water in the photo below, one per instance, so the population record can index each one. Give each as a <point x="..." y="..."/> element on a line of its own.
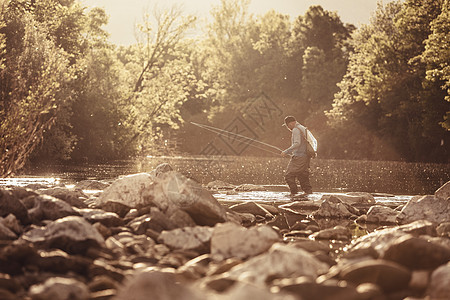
<point x="326" y="175"/>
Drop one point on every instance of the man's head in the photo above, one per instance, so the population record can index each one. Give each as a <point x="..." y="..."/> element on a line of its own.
<point x="290" y="122"/>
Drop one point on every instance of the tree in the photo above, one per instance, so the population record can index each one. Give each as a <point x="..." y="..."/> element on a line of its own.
<point x="164" y="76"/>
<point x="34" y="85"/>
<point x="384" y="84"/>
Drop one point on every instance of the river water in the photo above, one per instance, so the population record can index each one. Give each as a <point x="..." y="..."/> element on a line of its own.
<point x="398" y="178"/>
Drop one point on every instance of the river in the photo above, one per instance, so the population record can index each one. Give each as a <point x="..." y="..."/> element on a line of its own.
<point x="398" y="178"/>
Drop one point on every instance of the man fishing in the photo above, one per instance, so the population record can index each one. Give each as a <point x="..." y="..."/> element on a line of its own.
<point x="298" y="167"/>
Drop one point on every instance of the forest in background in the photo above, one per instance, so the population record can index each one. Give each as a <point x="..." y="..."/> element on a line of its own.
<point x="378" y="92"/>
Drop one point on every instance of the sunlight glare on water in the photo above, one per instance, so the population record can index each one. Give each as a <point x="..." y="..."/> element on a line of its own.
<point x="24" y="181"/>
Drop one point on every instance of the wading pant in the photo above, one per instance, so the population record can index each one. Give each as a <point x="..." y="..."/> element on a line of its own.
<point x="298" y="168"/>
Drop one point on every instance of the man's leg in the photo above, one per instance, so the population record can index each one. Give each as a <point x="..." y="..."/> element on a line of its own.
<point x="292" y="174"/>
<point x="303" y="176"/>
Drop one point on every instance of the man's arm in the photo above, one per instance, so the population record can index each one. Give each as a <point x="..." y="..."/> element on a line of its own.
<point x="296" y="141"/>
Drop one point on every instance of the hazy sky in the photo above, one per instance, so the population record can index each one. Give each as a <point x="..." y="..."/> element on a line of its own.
<point x="125" y="13"/>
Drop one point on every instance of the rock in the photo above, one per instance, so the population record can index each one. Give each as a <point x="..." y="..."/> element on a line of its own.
<point x="230" y="240"/>
<point x="250" y="188"/>
<point x="9" y="204"/>
<point x="155" y="285"/>
<point x="301" y="206"/>
<point x="417" y="253"/>
<point x="420" y="280"/>
<point x="108" y="219"/>
<point x="60" y="262"/>
<point x="91" y="185"/>
<point x="174" y="189"/>
<point x="72" y="234"/>
<point x="60" y="288"/>
<point x="389" y="276"/>
<point x="6" y="233"/>
<point x="356" y="197"/>
<point x="278" y="262"/>
<point x="381" y="215"/>
<point x="380" y="240"/>
<point x="431" y="208"/>
<point x="241" y="290"/>
<point x="188" y="238"/>
<point x="443" y="193"/>
<point x="251" y="207"/>
<point x="311" y="245"/>
<point x="333" y="207"/>
<point x="306" y="288"/>
<point x="220" y="185"/>
<point x="11" y="222"/>
<point x="44" y="207"/>
<point x="439" y="287"/>
<point x="335" y="233"/>
<point x="73" y="197"/>
<point x="115" y="207"/>
<point x="443" y="229"/>
<point x="132" y="190"/>
<point x="161" y="169"/>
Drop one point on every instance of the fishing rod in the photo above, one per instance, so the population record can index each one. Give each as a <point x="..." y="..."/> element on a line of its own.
<point x="248" y="140"/>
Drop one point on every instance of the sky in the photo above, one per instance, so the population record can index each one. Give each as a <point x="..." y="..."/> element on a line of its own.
<point x="124" y="14"/>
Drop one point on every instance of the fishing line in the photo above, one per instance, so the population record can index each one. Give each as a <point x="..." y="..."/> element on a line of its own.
<point x="247" y="140"/>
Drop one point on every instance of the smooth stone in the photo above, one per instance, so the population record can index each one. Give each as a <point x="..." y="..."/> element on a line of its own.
<point x="220" y="185"/>
<point x="230" y="240"/>
<point x="439" y="287"/>
<point x="335" y="233"/>
<point x="45" y="207"/>
<point x="108" y="219"/>
<point x="430" y="208"/>
<point x="443" y="229"/>
<point x="72" y="234"/>
<point x="389" y="276"/>
<point x="251" y="207"/>
<point x="11" y="222"/>
<point x="6" y="233"/>
<point x="132" y="190"/>
<point x="417" y="253"/>
<point x="60" y="288"/>
<point x="443" y="192"/>
<point x="187" y="238"/>
<point x="381" y="215"/>
<point x="71" y="196"/>
<point x="279" y="261"/>
<point x="10" y="204"/>
<point x="91" y="185"/>
<point x="309" y="289"/>
<point x="159" y="285"/>
<point x="333" y="207"/>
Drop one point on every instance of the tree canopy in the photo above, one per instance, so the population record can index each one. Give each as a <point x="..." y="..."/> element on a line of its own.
<point x="380" y="91"/>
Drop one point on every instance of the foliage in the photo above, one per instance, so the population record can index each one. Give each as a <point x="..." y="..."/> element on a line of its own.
<point x="34" y="85"/>
<point x="383" y="95"/>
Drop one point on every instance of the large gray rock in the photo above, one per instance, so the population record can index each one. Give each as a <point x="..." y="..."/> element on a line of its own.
<point x="45" y="207"/>
<point x="108" y="219"/>
<point x="187" y="238"/>
<point x="72" y="234"/>
<point x="279" y="262"/>
<point x="431" y="208"/>
<point x="443" y="192"/>
<point x="335" y="233"/>
<point x="333" y="207"/>
<point x="10" y="204"/>
<point x="381" y="215"/>
<point x="380" y="240"/>
<point x="174" y="189"/>
<point x="439" y="287"/>
<point x="354" y="198"/>
<point x="231" y="240"/>
<point x="132" y="190"/>
<point x="388" y="275"/>
<point x="72" y="196"/>
<point x="417" y="253"/>
<point x="156" y="285"/>
<point x="60" y="288"/>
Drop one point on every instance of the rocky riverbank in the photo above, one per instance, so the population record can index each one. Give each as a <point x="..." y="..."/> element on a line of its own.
<point x="160" y="235"/>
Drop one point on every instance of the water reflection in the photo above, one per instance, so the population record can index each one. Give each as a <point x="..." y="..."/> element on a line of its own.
<point x="326" y="175"/>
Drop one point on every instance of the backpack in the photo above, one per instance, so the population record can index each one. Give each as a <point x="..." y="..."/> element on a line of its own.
<point x="311" y="145"/>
